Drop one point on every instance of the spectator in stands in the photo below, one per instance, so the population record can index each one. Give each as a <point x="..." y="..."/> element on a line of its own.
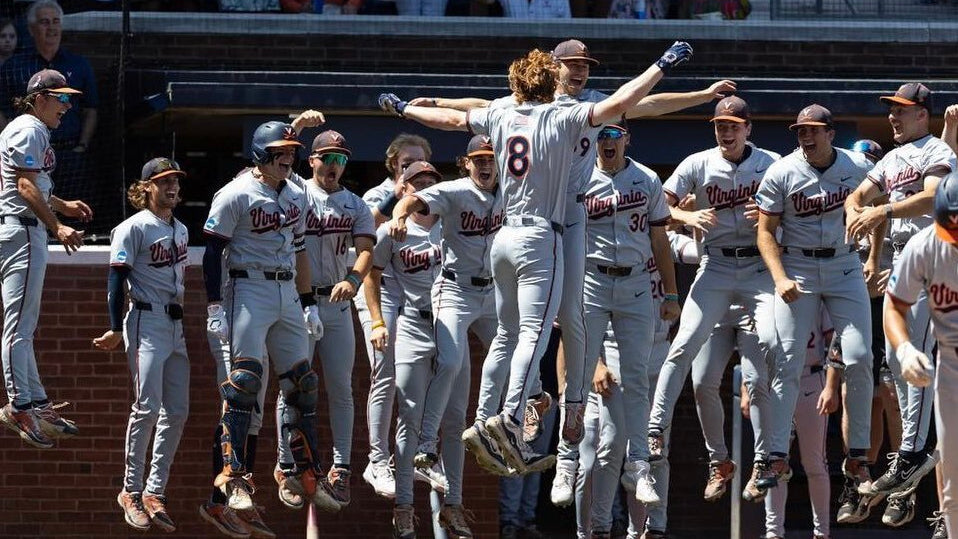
<point x="249" y="5"/>
<point x="536" y="9"/>
<point x="429" y="8"/>
<point x="78" y="124"/>
<point x="8" y="39"/>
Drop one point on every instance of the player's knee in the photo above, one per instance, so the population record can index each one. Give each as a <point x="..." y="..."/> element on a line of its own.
<point x="242" y="384"/>
<point x="304" y="393"/>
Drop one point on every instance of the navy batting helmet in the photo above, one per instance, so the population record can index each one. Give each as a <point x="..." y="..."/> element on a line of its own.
<point x="272" y="135"/>
<point x="870" y="148"/>
<point x="946" y="208"/>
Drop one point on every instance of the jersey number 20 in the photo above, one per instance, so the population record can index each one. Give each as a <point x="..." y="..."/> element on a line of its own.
<point x="518" y="160"/>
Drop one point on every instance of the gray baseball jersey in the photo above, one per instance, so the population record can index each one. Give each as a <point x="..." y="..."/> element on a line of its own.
<point x="264" y="227"/>
<point x="584" y="151"/>
<point x="812" y="202"/>
<point x="470" y="218"/>
<point x="928" y="263"/>
<point x="724" y="186"/>
<point x="621" y="208"/>
<point x="532" y="144"/>
<point x="156" y="253"/>
<point x="333" y="220"/>
<point x="900" y="174"/>
<point x="24" y="147"/>
<point x="415" y="262"/>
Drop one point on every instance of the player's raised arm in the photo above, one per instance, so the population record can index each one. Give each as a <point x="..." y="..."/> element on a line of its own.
<point x="463" y="103"/>
<point x="664" y="103"/>
<point x="436" y="118"/>
<point x="612" y="108"/>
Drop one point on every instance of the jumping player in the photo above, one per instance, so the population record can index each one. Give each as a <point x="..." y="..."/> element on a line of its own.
<point x="150" y="250"/>
<point x="27" y="211"/>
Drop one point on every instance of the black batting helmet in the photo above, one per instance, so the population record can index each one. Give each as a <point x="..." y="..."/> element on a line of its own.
<point x="272" y="135"/>
<point x="946" y="208"/>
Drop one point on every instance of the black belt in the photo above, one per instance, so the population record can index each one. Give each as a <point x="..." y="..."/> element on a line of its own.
<point x="418" y="313"/>
<point x="323" y="290"/>
<point x="529" y="221"/>
<point x="268" y="275"/>
<point x="17" y="220"/>
<point x="615" y="271"/>
<point x="828" y="252"/>
<point x="175" y="310"/>
<point x="815" y="369"/>
<point x="750" y="251"/>
<point x="475" y="281"/>
<point x="580" y="198"/>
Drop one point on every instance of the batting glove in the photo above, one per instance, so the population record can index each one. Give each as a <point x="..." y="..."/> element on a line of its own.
<point x="678" y="53"/>
<point x="916" y="368"/>
<point x="216" y="324"/>
<point x="392" y="104"/>
<point x="313" y="324"/>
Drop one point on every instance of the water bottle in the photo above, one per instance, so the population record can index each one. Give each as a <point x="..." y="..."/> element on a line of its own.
<point x="639" y="8"/>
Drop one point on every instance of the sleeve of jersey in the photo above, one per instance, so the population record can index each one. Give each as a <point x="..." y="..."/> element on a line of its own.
<point x="770" y="198"/>
<point x="25" y="149"/>
<point x="942" y="162"/>
<point x="223" y="216"/>
<point x="364" y="225"/>
<point x="659" y="213"/>
<point x="123" y="246"/>
<point x="678" y="184"/>
<point x="299" y="229"/>
<point x="908" y="276"/>
<point x="877" y="175"/>
<point x="383" y="251"/>
<point x="478" y="120"/>
<point x="435" y="198"/>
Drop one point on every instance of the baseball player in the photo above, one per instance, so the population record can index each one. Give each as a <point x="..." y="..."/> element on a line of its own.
<point x="530" y="141"/>
<point x="820" y="396"/>
<point x="906" y="177"/>
<point x="403" y="151"/>
<point x="337" y="220"/>
<point x="27" y="211"/>
<point x="627" y="214"/>
<point x="470" y="212"/>
<point x="416" y="259"/>
<point x="803" y="194"/>
<point x="259" y="219"/>
<point x="150" y="250"/>
<point x="927" y="265"/>
<point x="724" y="180"/>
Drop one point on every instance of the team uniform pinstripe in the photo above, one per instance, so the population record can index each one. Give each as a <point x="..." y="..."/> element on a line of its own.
<point x="155" y="251"/>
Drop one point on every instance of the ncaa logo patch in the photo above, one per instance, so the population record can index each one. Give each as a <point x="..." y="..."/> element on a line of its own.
<point x="893" y="279"/>
<point x="121" y="256"/>
<point x="29" y="161"/>
<point x="210" y="223"/>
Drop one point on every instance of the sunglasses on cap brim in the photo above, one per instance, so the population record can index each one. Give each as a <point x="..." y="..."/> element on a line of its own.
<point x="333" y="159"/>
<point x="613" y="134"/>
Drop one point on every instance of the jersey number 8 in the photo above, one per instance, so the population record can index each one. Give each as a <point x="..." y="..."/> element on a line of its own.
<point x="518" y="159"/>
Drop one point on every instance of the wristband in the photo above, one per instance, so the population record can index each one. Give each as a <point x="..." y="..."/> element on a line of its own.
<point x="671" y="297"/>
<point x="353" y="278"/>
<point x="888" y="211"/>
<point x="307" y="299"/>
<point x="387" y="205"/>
<point x="378" y="324"/>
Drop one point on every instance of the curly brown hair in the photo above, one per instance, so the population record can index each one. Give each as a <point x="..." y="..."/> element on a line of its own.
<point x="139" y="194"/>
<point x="402" y="140"/>
<point x="534" y="77"/>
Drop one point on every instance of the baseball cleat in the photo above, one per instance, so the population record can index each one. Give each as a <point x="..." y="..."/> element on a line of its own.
<point x="433" y="476"/>
<point x="571" y="416"/>
<point x="903" y="474"/>
<point x="720" y="473"/>
<point x="225" y="520"/>
<point x="532" y="421"/>
<point x="455" y="520"/>
<point x="236" y="489"/>
<point x="771" y="473"/>
<point x="380" y="476"/>
<point x="516" y="452"/>
<point x="656" y="445"/>
<point x="404" y="522"/>
<point x="338" y="481"/>
<point x="899" y="511"/>
<point x="53" y="424"/>
<point x="478" y="442"/>
<point x="937" y="523"/>
<point x="155" y="505"/>
<point x="254" y="521"/>
<point x="26" y="425"/>
<point x="133" y="512"/>
<point x="636" y="473"/>
<point x="286" y="496"/>
<point x="563" y="485"/>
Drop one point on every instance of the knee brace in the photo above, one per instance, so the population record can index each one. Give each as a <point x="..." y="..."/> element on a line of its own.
<point x="239" y="400"/>
<point x="300" y="426"/>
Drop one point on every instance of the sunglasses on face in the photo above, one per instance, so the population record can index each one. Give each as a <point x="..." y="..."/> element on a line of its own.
<point x="62" y="98"/>
<point x="613" y="134"/>
<point x="333" y="159"/>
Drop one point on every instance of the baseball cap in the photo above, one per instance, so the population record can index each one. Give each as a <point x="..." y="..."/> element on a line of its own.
<point x="946" y="208"/>
<point x="573" y="49"/>
<point x="733" y="109"/>
<point x="49" y="80"/>
<point x="869" y="147"/>
<point x="160" y="167"/>
<point x="418" y="169"/>
<point x="813" y="115"/>
<point x="911" y="93"/>
<point x="330" y="142"/>
<point x="479" y="145"/>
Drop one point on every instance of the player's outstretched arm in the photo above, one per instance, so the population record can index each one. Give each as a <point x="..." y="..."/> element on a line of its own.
<point x="464" y="104"/>
<point x="308" y="118"/>
<point x="436" y="118"/>
<point x="664" y="103"/>
<point x="949" y="133"/>
<point x="613" y="107"/>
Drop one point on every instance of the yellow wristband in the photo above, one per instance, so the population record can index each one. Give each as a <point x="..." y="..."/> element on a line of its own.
<point x="378" y="324"/>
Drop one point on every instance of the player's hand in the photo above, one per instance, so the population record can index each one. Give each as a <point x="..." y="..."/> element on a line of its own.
<point x="216" y="324"/>
<point x="951" y="115"/>
<point x="670" y="310"/>
<point x="866" y="221"/>
<point x="882" y="282"/>
<point x="343" y="291"/>
<point x="687" y="203"/>
<point x="379" y="337"/>
<point x="702" y="220"/>
<point x="720" y="88"/>
<point x="109" y="340"/>
<point x="313" y="324"/>
<point x="916" y="368"/>
<point x="392" y="104"/>
<point x="76" y="209"/>
<point x="751" y="212"/>
<point x="745" y="402"/>
<point x="71" y="239"/>
<point x="828" y="401"/>
<point x="397" y="228"/>
<point x="603" y="381"/>
<point x="399" y="188"/>
<point x="677" y="54"/>
<point x="308" y="118"/>
<point x="788" y="290"/>
<point x="424" y="102"/>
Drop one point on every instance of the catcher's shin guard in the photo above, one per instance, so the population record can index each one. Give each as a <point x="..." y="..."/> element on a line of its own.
<point x="239" y="400"/>
<point x="300" y="424"/>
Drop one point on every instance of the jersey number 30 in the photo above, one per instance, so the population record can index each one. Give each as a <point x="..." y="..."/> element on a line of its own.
<point x="518" y="160"/>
